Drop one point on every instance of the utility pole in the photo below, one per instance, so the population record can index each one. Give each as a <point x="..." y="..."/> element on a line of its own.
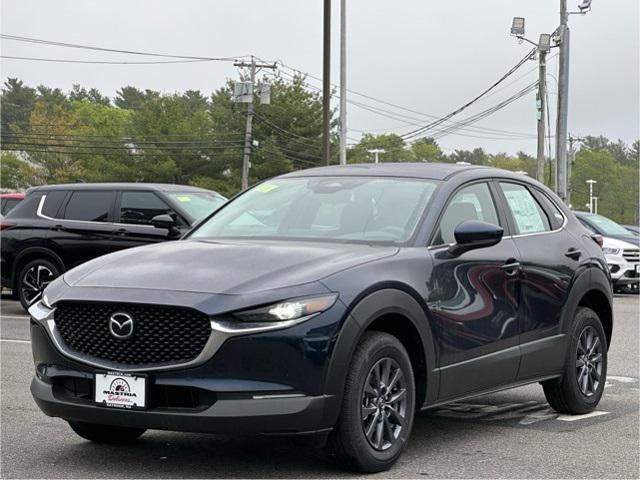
<point x="326" y="84"/>
<point x="376" y="152"/>
<point x="591" y="182"/>
<point x="563" y="102"/>
<point x="343" y="82"/>
<point x="542" y="108"/>
<point x="248" y="99"/>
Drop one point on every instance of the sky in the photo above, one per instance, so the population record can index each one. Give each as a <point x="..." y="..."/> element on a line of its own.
<point x="430" y="56"/>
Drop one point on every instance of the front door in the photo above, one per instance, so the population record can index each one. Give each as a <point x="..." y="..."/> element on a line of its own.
<point x="134" y="211"/>
<point x="474" y="300"/>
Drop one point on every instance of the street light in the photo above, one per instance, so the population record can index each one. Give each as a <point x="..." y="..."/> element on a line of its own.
<point x="376" y="152"/>
<point x="544" y="43"/>
<point x="517" y="27"/>
<point x="585" y="6"/>
<point x="591" y="197"/>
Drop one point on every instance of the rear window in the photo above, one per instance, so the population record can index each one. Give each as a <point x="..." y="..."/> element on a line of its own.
<point x="89" y="206"/>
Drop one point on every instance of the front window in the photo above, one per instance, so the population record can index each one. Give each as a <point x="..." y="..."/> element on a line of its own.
<point x="359" y="209"/>
<point x="198" y="204"/>
<point x="607" y="226"/>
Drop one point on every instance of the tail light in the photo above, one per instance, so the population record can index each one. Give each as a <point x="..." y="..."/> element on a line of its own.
<point x="598" y="239"/>
<point x="4" y="225"/>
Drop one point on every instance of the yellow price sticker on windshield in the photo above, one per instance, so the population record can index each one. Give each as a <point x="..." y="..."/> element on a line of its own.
<point x="183" y="198"/>
<point x="266" y="187"/>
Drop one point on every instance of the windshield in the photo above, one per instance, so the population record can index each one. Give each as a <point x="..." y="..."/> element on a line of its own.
<point x="360" y="209"/>
<point x="198" y="204"/>
<point x="606" y="226"/>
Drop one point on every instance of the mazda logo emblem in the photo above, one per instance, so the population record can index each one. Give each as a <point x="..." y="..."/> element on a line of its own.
<point x="121" y="325"/>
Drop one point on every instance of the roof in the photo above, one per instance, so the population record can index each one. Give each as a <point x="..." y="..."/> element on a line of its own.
<point x="432" y="171"/>
<point x="162" y="187"/>
<point x="19" y="195"/>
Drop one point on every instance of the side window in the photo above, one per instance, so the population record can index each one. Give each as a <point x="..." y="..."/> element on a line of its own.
<point x="139" y="208"/>
<point x="528" y="215"/>
<point x="470" y="203"/>
<point x="52" y="202"/>
<point x="556" y="217"/>
<point x="89" y="206"/>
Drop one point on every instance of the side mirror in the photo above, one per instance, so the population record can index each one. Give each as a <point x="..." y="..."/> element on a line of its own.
<point x="474" y="234"/>
<point x="165" y="221"/>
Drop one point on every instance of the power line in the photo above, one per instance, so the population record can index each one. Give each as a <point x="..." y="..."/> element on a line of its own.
<point x="419" y="131"/>
<point x="98" y="62"/>
<point x="403" y="117"/>
<point x="114" y="50"/>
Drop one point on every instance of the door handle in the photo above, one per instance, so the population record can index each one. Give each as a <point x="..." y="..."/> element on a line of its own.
<point x="573" y="253"/>
<point x="120" y="231"/>
<point x="59" y="228"/>
<point x="512" y="267"/>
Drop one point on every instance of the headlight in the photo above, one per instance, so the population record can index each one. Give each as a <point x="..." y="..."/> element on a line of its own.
<point x="288" y="310"/>
<point x="610" y="251"/>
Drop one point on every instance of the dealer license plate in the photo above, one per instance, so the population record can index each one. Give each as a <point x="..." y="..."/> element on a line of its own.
<point x="121" y="390"/>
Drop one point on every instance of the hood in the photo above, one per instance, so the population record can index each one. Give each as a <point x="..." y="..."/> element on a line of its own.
<point x="630" y="239"/>
<point x="610" y="242"/>
<point x="222" y="267"/>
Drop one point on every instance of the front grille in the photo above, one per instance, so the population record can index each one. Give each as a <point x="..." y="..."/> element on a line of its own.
<point x="161" y="335"/>
<point x="631" y="255"/>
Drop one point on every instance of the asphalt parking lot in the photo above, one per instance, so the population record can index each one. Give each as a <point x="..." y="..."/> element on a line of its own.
<point x="504" y="435"/>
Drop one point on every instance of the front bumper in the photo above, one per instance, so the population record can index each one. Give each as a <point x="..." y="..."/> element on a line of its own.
<point x="238" y="416"/>
<point x="271" y="382"/>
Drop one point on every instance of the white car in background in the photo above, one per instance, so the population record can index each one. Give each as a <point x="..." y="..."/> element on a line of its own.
<point x="624" y="263"/>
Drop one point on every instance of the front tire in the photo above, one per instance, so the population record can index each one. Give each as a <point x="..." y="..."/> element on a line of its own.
<point x="377" y="408"/>
<point x="585" y="370"/>
<point x="106" y="433"/>
<point x="33" y="278"/>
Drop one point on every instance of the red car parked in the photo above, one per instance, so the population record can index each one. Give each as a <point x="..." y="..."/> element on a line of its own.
<point x="9" y="200"/>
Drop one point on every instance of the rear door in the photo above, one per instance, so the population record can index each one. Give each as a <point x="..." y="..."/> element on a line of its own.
<point x="84" y="226"/>
<point x="474" y="299"/>
<point x="134" y="211"/>
<point x="550" y="258"/>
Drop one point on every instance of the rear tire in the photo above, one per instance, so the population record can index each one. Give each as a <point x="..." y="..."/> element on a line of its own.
<point x="377" y="408"/>
<point x="106" y="433"/>
<point x="580" y="388"/>
<point x="33" y="278"/>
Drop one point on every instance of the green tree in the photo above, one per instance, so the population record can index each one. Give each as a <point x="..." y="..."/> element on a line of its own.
<point x="18" y="174"/>
<point x="16" y="103"/>
<point x="426" y="150"/>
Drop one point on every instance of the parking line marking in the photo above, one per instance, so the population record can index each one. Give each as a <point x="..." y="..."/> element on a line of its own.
<point x="16" y="317"/>
<point x="14" y="340"/>
<point x="621" y="379"/>
<point x="573" y="418"/>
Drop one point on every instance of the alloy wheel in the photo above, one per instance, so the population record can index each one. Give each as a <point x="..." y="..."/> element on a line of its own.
<point x="589" y="361"/>
<point x="384" y="404"/>
<point x="34" y="281"/>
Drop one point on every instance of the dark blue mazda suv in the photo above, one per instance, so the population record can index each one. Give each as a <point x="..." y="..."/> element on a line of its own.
<point x="336" y="301"/>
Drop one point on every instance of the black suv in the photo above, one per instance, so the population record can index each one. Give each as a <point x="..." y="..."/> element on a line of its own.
<point x="57" y="227"/>
<point x="338" y="300"/>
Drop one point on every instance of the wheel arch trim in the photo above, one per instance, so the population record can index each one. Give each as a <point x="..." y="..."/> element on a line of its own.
<point x="592" y="279"/>
<point x="371" y="305"/>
